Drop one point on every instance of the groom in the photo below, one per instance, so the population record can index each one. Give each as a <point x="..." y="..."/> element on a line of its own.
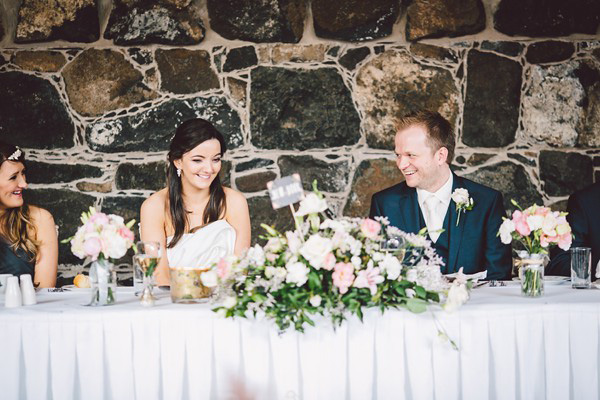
<point x="430" y="194"/>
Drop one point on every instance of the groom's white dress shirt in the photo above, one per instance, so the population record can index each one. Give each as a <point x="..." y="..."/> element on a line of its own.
<point x="434" y="207"/>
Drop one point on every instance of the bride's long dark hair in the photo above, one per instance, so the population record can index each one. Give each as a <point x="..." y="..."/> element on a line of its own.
<point x="187" y="136"/>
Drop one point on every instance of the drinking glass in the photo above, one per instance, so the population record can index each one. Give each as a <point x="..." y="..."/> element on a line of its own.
<point x="145" y="261"/>
<point x="581" y="267"/>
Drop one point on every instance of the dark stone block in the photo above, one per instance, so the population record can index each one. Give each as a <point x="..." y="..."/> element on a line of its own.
<point x="225" y="174"/>
<point x="66" y="207"/>
<point x="255" y="182"/>
<point x="41" y="172"/>
<point x="32" y="113"/>
<point x="491" y="111"/>
<point x="435" y="52"/>
<point x="240" y="58"/>
<point x="596" y="161"/>
<point x="258" y="21"/>
<point x="560" y="205"/>
<point x="439" y="18"/>
<point x="334" y="51"/>
<point x="564" y="173"/>
<point x="548" y="18"/>
<point x="354" y="20"/>
<point x="185" y="71"/>
<point x="139" y="22"/>
<point x="370" y="177"/>
<point x="479" y="158"/>
<point x="522" y="159"/>
<point x="109" y="76"/>
<point x="262" y="211"/>
<point x="103" y="187"/>
<point x="511" y="180"/>
<point x="140" y="56"/>
<point x="353" y="57"/>
<point x="69" y="20"/>
<point x="301" y="109"/>
<point x="253" y="164"/>
<point x="512" y="49"/>
<point x="549" y="51"/>
<point x="331" y="177"/>
<point x="150" y="176"/>
<point x="152" y="130"/>
<point x="42" y="61"/>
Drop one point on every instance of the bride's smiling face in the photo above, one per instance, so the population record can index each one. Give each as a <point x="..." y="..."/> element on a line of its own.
<point x="201" y="165"/>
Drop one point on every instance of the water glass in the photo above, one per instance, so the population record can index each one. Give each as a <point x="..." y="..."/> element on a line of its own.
<point x="581" y="267"/>
<point x="145" y="261"/>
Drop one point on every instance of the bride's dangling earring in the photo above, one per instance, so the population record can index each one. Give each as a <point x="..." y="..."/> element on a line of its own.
<point x="179" y="172"/>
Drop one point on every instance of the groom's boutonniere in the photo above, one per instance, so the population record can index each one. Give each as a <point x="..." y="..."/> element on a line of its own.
<point x="463" y="201"/>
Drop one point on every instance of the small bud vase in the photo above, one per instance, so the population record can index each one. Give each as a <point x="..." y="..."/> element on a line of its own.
<point x="103" y="280"/>
<point x="531" y="272"/>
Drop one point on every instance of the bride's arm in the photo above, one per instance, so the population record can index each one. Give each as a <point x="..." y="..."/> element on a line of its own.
<point x="238" y="216"/>
<point x="152" y="228"/>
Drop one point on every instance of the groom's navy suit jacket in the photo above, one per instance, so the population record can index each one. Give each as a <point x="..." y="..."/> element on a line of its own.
<point x="473" y="244"/>
<point x="584" y="217"/>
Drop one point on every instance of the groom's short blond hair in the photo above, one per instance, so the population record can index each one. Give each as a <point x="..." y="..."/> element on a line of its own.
<point x="439" y="130"/>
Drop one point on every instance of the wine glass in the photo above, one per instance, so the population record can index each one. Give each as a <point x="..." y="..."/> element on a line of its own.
<point x="145" y="261"/>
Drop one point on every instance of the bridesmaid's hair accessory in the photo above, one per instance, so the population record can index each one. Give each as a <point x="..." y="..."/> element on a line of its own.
<point x="15" y="156"/>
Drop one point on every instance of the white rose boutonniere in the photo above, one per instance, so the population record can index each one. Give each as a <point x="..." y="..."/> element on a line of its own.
<point x="463" y="201"/>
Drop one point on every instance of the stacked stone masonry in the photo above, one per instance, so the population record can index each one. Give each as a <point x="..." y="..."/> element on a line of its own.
<point x="93" y="90"/>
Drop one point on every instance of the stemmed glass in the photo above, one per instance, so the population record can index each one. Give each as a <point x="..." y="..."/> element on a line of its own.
<point x="146" y="259"/>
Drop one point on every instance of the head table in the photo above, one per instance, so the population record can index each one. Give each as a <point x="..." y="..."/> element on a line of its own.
<point x="508" y="347"/>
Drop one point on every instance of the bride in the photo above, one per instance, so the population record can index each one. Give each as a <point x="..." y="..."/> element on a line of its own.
<point x="195" y="218"/>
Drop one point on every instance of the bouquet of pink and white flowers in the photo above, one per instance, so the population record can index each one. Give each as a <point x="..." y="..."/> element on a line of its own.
<point x="333" y="267"/>
<point x="102" y="236"/>
<point x="537" y="228"/>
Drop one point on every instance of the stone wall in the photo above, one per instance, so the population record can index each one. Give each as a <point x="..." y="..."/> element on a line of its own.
<point x="93" y="90"/>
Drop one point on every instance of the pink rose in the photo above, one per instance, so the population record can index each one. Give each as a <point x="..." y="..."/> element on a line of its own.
<point x="343" y="276"/>
<point x="92" y="247"/>
<point x="329" y="262"/>
<point x="368" y="278"/>
<point x="126" y="234"/>
<point x="370" y="228"/>
<point x="520" y="221"/>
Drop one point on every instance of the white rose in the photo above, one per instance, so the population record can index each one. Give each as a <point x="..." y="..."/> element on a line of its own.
<point x="269" y="272"/>
<point x="280" y="272"/>
<point x="457" y="296"/>
<point x="293" y="241"/>
<point x="391" y="265"/>
<point x="377" y="256"/>
<point x="311" y="204"/>
<point x="230" y="302"/>
<point x="356" y="261"/>
<point x="297" y="272"/>
<point x="535" y="222"/>
<point x="411" y="275"/>
<point x="256" y="255"/>
<point x="209" y="279"/>
<point x="274" y="245"/>
<point x="315" y="249"/>
<point x="114" y="246"/>
<point x="460" y="196"/>
<point x="315" y="301"/>
<point x="506" y="229"/>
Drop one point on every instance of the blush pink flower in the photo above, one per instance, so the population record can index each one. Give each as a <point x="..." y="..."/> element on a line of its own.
<point x="223" y="268"/>
<point x="542" y="211"/>
<point x="343" y="276"/>
<point x="370" y="228"/>
<point x="126" y="234"/>
<point x="368" y="278"/>
<point x="92" y="247"/>
<point x="99" y="218"/>
<point x="565" y="240"/>
<point x="329" y="262"/>
<point x="520" y="221"/>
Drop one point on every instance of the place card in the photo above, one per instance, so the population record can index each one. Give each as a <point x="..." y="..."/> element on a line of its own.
<point x="285" y="191"/>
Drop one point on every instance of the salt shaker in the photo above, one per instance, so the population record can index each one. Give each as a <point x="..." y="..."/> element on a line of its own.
<point x="3" y="278"/>
<point x="27" y="290"/>
<point x="12" y="298"/>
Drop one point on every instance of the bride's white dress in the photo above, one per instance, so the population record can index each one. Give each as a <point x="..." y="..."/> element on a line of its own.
<point x="205" y="246"/>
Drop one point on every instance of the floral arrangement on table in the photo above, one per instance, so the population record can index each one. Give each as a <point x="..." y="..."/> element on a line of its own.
<point x="537" y="228"/>
<point x="333" y="267"/>
<point x="101" y="239"/>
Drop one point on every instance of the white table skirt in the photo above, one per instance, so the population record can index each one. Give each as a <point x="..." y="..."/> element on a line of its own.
<point x="510" y="347"/>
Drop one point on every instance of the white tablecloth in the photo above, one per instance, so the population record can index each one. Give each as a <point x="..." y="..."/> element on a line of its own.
<point x="510" y="347"/>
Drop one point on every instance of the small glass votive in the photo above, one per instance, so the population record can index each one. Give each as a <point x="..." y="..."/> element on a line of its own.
<point x="581" y="267"/>
<point x="187" y="286"/>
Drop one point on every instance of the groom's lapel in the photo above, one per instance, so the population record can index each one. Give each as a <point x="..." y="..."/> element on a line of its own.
<point x="456" y="232"/>
<point x="409" y="210"/>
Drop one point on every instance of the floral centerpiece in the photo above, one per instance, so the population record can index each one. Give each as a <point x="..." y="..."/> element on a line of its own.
<point x="100" y="240"/>
<point x="333" y="267"/>
<point x="537" y="229"/>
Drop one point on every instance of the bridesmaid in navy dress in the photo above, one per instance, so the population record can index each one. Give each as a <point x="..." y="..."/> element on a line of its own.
<point x="28" y="240"/>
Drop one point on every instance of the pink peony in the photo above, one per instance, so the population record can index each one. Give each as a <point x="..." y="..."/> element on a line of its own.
<point x="329" y="262"/>
<point x="520" y="220"/>
<point x="343" y="276"/>
<point x="370" y="228"/>
<point x="92" y="247"/>
<point x="369" y="278"/>
<point x="99" y="218"/>
<point x="223" y="268"/>
<point x="126" y="234"/>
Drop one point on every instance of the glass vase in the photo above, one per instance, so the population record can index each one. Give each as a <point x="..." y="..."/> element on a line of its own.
<point x="531" y="272"/>
<point x="103" y="280"/>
